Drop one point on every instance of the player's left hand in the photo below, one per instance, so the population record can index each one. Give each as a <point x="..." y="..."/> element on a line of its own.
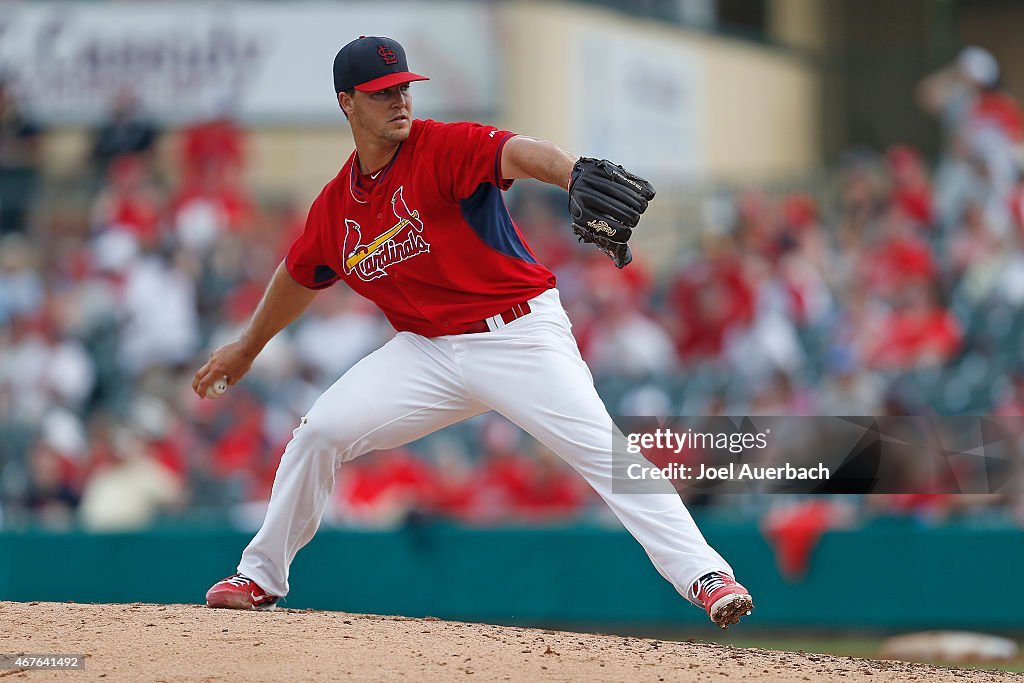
<point x="605" y="202"/>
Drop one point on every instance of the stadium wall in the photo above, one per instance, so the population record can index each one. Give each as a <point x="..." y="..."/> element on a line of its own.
<point x="890" y="574"/>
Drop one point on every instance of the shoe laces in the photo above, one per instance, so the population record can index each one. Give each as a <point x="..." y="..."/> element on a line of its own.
<point x="711" y="582"/>
<point x="240" y="580"/>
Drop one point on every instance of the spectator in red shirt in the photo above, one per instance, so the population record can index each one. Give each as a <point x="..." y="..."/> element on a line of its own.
<point x="129" y="202"/>
<point x="237" y="452"/>
<point x="710" y="300"/>
<point x="919" y="332"/>
<point x="911" y="189"/>
<point x="384" y="490"/>
<point x="997" y="107"/>
<point x="900" y="258"/>
<point x="621" y="339"/>
<point x="555" y="492"/>
<point x="209" y="204"/>
<point x="501" y="484"/>
<point x="215" y="145"/>
<point x="756" y="227"/>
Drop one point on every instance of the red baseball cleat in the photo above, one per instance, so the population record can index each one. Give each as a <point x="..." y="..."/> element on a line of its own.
<point x="240" y="592"/>
<point x="725" y="600"/>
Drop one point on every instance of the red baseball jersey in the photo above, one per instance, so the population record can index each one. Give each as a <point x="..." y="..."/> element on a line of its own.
<point x="429" y="239"/>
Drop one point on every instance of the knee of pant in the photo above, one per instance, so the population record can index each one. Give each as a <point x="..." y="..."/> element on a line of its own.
<point x="320" y="434"/>
<point x="315" y="434"/>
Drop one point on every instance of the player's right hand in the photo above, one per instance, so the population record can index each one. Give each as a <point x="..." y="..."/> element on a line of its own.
<point x="231" y="360"/>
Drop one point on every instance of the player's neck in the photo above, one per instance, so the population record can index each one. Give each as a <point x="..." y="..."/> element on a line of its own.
<point x="374" y="156"/>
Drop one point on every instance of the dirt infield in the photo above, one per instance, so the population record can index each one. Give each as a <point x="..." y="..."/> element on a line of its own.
<point x="140" y="642"/>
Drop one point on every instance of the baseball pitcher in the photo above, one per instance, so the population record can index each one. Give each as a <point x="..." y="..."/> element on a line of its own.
<point x="415" y="222"/>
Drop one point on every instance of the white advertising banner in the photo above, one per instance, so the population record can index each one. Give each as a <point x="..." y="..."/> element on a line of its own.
<point x="639" y="101"/>
<point x="272" y="62"/>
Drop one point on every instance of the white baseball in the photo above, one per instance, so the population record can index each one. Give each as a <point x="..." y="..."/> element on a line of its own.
<point x="217" y="389"/>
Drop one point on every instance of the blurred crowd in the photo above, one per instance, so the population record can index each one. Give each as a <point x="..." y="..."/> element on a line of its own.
<point x="895" y="288"/>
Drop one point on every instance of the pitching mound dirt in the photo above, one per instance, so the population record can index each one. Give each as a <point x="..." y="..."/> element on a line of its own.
<point x="140" y="642"/>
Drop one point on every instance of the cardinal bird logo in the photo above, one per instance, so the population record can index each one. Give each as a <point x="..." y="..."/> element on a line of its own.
<point x="396" y="244"/>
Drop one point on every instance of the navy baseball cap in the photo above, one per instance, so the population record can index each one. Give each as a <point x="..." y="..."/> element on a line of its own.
<point x="371" y="63"/>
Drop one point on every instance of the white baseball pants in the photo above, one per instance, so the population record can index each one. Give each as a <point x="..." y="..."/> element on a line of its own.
<point x="531" y="372"/>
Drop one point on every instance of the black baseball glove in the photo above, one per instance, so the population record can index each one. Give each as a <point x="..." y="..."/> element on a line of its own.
<point x="605" y="202"/>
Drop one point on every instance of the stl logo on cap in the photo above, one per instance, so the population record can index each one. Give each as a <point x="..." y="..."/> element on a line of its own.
<point x="387" y="54"/>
